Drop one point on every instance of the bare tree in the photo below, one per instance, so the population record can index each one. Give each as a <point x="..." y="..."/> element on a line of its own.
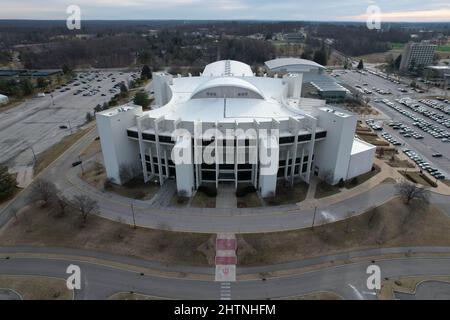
<point x="62" y="203"/>
<point x="410" y="191"/>
<point x="44" y="191"/>
<point x="85" y="206"/>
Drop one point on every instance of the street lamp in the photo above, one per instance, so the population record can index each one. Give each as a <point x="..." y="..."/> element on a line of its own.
<point x="314" y="217"/>
<point x="34" y="155"/>
<point x="134" y="218"/>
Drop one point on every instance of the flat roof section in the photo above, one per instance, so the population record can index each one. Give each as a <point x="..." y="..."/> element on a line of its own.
<point x="360" y="146"/>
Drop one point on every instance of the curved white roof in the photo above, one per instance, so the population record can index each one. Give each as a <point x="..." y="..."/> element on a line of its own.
<point x="228" y="82"/>
<point x="228" y="68"/>
<point x="285" y="62"/>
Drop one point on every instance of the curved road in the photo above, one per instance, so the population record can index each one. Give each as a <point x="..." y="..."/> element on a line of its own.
<point x="100" y="281"/>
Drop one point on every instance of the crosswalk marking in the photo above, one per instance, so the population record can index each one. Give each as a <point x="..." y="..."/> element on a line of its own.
<point x="225" y="291"/>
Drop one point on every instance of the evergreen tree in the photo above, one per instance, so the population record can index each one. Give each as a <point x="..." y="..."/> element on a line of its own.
<point x="141" y="99"/>
<point x="361" y="65"/>
<point x="397" y="62"/>
<point x="7" y="183"/>
<point x="146" y="72"/>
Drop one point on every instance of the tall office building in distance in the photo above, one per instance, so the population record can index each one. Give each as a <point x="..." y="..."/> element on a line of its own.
<point x="417" y="54"/>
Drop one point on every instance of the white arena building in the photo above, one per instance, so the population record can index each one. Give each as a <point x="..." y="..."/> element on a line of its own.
<point x="227" y="125"/>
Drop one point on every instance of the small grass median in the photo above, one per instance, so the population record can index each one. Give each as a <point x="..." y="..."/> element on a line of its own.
<point x="37" y="288"/>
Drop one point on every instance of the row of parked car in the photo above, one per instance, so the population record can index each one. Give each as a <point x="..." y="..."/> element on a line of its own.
<point x="404" y="130"/>
<point x="426" y="126"/>
<point x="444" y="108"/>
<point x="422" y="164"/>
<point x="435" y="116"/>
<point x="384" y="76"/>
<point x="388" y="137"/>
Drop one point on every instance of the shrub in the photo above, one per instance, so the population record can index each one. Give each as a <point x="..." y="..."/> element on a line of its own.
<point x="242" y="192"/>
<point x="209" y="191"/>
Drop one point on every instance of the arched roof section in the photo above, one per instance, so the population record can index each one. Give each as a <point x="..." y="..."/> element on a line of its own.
<point x="227" y="68"/>
<point x="227" y="87"/>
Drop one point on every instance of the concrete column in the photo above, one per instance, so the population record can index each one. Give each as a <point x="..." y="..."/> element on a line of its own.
<point x="286" y="168"/>
<point x="142" y="149"/>
<point x="151" y="159"/>
<point x="313" y="126"/>
<point x="295" y="129"/>
<point x="158" y="150"/>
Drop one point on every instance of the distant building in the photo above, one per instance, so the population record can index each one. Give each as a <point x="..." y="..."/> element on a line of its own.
<point x="10" y="73"/>
<point x="294" y="37"/>
<point x="437" y="74"/>
<point x="315" y="79"/>
<point x="3" y="99"/>
<point x="417" y="54"/>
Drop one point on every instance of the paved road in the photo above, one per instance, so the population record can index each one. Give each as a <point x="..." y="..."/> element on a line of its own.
<point x="35" y="123"/>
<point x="100" y="281"/>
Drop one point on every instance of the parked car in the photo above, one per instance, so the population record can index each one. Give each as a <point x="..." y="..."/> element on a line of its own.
<point x="436" y="155"/>
<point x="76" y="163"/>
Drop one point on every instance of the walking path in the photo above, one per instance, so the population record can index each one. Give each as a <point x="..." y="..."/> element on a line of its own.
<point x="226" y="197"/>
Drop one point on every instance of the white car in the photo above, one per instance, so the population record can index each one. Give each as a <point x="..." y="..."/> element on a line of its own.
<point x="41" y="95"/>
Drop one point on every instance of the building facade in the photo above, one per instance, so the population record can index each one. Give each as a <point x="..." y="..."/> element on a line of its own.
<point x="228" y="125"/>
<point x="315" y="79"/>
<point x="417" y="54"/>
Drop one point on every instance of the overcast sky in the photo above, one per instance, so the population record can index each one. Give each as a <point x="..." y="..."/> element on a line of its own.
<point x="323" y="10"/>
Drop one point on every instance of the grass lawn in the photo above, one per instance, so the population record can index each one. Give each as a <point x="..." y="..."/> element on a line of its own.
<point x="396" y="162"/>
<point x="405" y="285"/>
<point x="397" y="45"/>
<point x="324" y="189"/>
<point x="416" y="177"/>
<point x="37" y="288"/>
<point x="132" y="296"/>
<point x="36" y="226"/>
<point x="322" y="295"/>
<point x="250" y="200"/>
<point x="372" y="139"/>
<point x="443" y="48"/>
<point x="48" y="156"/>
<point x="380" y="57"/>
<point x="390" y="225"/>
<point x="95" y="175"/>
<point x="288" y="195"/>
<point x="201" y="200"/>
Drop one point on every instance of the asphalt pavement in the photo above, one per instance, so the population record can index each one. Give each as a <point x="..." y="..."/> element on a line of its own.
<point x="425" y="147"/>
<point x="349" y="280"/>
<point x="34" y="125"/>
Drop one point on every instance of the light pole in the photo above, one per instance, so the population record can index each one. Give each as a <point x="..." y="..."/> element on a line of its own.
<point x="70" y="127"/>
<point x="314" y="217"/>
<point x="134" y="218"/>
<point x="34" y="155"/>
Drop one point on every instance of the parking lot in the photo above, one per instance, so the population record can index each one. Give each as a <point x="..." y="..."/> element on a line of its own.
<point x="42" y="121"/>
<point x="413" y="120"/>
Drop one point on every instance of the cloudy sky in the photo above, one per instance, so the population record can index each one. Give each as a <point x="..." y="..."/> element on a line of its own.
<point x="323" y="10"/>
